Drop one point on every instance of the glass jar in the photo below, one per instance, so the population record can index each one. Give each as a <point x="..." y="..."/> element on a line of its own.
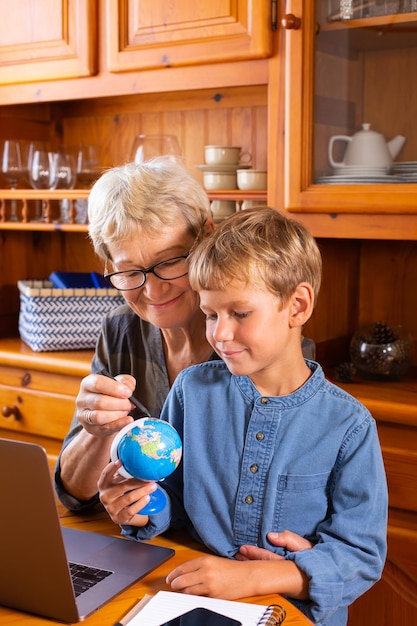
<point x="382" y="352"/>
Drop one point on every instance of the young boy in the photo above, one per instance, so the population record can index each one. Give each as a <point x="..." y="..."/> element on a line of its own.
<point x="268" y="443"/>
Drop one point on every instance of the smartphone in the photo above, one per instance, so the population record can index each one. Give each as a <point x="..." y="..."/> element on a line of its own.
<point x="202" y="617"/>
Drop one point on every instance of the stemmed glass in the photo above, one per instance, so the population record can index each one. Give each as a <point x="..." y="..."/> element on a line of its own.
<point x="31" y="149"/>
<point x="88" y="165"/>
<point x="147" y="147"/>
<point x="13" y="168"/>
<point x="88" y="170"/>
<point x="67" y="177"/>
<point x="43" y="174"/>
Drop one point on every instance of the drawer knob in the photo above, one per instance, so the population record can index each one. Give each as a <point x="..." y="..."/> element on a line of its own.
<point x="11" y="411"/>
<point x="291" y="22"/>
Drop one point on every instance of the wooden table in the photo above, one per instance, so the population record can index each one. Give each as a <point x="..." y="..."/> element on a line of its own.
<point x="185" y="549"/>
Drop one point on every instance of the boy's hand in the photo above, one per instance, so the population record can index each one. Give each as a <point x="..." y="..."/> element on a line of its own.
<point x="228" y="579"/>
<point x="285" y="539"/>
<point x="123" y="497"/>
<point x="210" y="575"/>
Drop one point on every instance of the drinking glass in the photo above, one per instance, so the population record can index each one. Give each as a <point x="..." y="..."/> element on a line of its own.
<point x="43" y="174"/>
<point x="32" y="147"/>
<point x="146" y="147"/>
<point x="88" y="165"/>
<point x="67" y="177"/>
<point x="13" y="168"/>
<point x="88" y="170"/>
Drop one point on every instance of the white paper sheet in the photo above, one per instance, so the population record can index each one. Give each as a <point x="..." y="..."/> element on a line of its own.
<point x="166" y="605"/>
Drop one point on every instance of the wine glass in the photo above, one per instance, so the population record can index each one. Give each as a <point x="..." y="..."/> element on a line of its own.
<point x="13" y="168"/>
<point x="43" y="174"/>
<point x="146" y="147"/>
<point x="88" y="165"/>
<point x="88" y="170"/>
<point x="31" y="148"/>
<point x="67" y="177"/>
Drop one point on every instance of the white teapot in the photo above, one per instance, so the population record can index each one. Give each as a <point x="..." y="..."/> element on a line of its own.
<point x="367" y="148"/>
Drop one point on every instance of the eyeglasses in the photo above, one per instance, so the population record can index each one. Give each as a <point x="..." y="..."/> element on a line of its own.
<point x="165" y="270"/>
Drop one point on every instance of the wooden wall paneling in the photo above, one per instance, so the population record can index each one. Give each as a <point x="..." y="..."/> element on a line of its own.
<point x="387" y="283"/>
<point x="13" y="265"/>
<point x="193" y="140"/>
<point x="259" y="139"/>
<point x="229" y="115"/>
<point x="77" y="254"/>
<point x="395" y="95"/>
<point x="335" y="314"/>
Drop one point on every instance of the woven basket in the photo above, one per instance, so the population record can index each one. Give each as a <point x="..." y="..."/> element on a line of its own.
<point x="62" y="319"/>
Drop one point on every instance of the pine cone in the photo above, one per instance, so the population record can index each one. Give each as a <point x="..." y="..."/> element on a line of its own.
<point x="380" y="334"/>
<point x="345" y="372"/>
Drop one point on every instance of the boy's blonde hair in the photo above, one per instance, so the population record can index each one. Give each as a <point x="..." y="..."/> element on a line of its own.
<point x="143" y="199"/>
<point x="260" y="247"/>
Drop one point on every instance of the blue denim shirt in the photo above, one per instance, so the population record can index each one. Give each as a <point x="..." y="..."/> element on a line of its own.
<point x="309" y="462"/>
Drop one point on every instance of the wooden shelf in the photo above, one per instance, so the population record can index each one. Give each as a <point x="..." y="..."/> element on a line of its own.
<point x="388" y="401"/>
<point x="72" y="195"/>
<point x="373" y="33"/>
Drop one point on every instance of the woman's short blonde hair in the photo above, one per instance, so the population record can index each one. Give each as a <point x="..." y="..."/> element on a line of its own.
<point x="260" y="247"/>
<point x="133" y="199"/>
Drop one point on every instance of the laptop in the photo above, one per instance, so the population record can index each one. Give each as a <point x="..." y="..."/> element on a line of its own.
<point x="37" y="554"/>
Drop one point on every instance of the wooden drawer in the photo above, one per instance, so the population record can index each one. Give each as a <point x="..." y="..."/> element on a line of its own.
<point x="39" y="412"/>
<point x="28" y="378"/>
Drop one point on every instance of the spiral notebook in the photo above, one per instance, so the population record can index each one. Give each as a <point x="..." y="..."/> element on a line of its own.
<point x="166" y="605"/>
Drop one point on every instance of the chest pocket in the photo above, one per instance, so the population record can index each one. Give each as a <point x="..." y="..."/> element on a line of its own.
<point x="302" y="502"/>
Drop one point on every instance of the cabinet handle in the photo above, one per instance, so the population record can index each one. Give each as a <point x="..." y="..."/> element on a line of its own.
<point x="9" y="411"/>
<point x="291" y="22"/>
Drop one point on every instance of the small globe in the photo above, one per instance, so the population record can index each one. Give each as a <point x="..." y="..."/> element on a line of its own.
<point x="150" y="449"/>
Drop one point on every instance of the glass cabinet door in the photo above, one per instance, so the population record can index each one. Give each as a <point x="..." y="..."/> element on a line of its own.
<point x="356" y="106"/>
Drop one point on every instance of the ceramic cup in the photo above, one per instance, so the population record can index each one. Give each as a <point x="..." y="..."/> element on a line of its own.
<point x="220" y="180"/>
<point x="226" y="155"/>
<point x="252" y="179"/>
<point x="250" y="204"/>
<point x="222" y="208"/>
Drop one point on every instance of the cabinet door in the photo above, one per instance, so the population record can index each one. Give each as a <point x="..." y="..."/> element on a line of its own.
<point x="144" y="34"/>
<point x="47" y="39"/>
<point x="342" y="71"/>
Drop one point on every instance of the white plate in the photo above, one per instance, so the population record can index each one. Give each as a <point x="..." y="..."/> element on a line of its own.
<point x="405" y="164"/>
<point x="353" y="170"/>
<point x="408" y="178"/>
<point x="223" y="168"/>
<point x="358" y="180"/>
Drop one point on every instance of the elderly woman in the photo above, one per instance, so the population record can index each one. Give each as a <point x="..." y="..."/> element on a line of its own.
<point x="143" y="222"/>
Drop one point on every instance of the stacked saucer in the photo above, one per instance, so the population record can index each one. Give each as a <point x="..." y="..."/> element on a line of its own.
<point x="358" y="175"/>
<point x="407" y="170"/>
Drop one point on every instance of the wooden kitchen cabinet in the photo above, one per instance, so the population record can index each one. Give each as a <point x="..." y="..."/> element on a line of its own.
<point x="394" y="598"/>
<point x="339" y="74"/>
<point x="57" y="39"/>
<point x="145" y="34"/>
<point x="283" y="109"/>
<point x="38" y="391"/>
<point x="47" y="40"/>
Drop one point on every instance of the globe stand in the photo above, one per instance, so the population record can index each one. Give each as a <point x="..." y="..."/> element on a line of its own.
<point x="136" y="465"/>
<point x="156" y="504"/>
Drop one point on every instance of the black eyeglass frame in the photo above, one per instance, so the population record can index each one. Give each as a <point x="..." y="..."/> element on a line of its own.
<point x="148" y="270"/>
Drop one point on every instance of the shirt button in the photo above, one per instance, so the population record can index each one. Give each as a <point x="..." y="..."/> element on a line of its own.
<point x="260" y="436"/>
<point x="253" y="468"/>
<point x="264" y="400"/>
<point x="249" y="500"/>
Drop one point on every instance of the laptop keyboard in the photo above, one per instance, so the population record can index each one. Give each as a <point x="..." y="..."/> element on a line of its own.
<point x="84" y="577"/>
